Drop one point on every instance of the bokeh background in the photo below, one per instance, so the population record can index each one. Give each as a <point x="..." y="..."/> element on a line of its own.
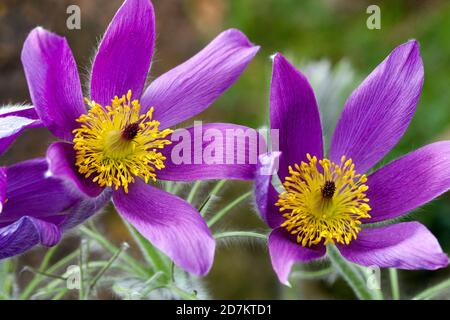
<point x="305" y="31"/>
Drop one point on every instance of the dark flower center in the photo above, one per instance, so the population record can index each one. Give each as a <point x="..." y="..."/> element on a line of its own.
<point x="130" y="131"/>
<point x="328" y="189"/>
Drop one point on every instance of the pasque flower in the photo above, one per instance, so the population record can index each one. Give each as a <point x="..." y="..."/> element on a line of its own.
<point x="122" y="141"/>
<point x="36" y="209"/>
<point x="332" y="198"/>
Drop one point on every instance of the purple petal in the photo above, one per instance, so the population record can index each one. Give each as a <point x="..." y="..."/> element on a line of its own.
<point x="170" y="224"/>
<point x="13" y="121"/>
<point x="284" y="253"/>
<point x="61" y="159"/>
<point x="31" y="193"/>
<point x="2" y="188"/>
<point x="83" y="209"/>
<point x="212" y="151"/>
<point x="409" y="182"/>
<point x="23" y="111"/>
<point x="294" y="112"/>
<point x="125" y="52"/>
<point x="378" y="112"/>
<point x="407" y="245"/>
<point x="24" y="234"/>
<point x="11" y="127"/>
<point x="53" y="81"/>
<point x="265" y="194"/>
<point x="191" y="87"/>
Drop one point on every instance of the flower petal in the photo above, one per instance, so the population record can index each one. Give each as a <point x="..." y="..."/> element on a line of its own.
<point x="11" y="127"/>
<point x="24" y="234"/>
<point x="24" y="111"/>
<point x="212" y="151"/>
<point x="378" y="112"/>
<point x="407" y="245"/>
<point x="61" y="159"/>
<point x="83" y="209"/>
<point x="284" y="253"/>
<point x="53" y="81"/>
<point x="409" y="182"/>
<point x="13" y="120"/>
<point x="265" y="194"/>
<point x="294" y="112"/>
<point x="190" y="88"/>
<point x="2" y="188"/>
<point x="170" y="224"/>
<point x="125" y="52"/>
<point x="31" y="193"/>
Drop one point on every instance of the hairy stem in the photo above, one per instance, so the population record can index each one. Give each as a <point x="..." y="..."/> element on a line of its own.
<point x="395" y="289"/>
<point x="245" y="234"/>
<point x="219" y="215"/>
<point x="433" y="291"/>
<point x="350" y="274"/>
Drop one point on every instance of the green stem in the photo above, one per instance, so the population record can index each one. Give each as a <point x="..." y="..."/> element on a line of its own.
<point x="45" y="274"/>
<point x="155" y="277"/>
<point x="94" y="265"/>
<point x="193" y="191"/>
<point x="312" y="274"/>
<point x="393" y="276"/>
<point x="168" y="186"/>
<point x="228" y="208"/>
<point x="44" y="295"/>
<point x="213" y="193"/>
<point x="433" y="291"/>
<point x="176" y="188"/>
<point x="102" y="271"/>
<point x="8" y="277"/>
<point x="247" y="234"/>
<point x="61" y="294"/>
<point x="133" y="263"/>
<point x="30" y="288"/>
<point x="38" y="278"/>
<point x="101" y="264"/>
<point x="350" y="274"/>
<point x="182" y="293"/>
<point x="81" y="259"/>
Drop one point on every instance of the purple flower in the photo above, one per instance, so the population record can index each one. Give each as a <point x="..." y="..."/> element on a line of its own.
<point x="35" y="209"/>
<point x="123" y="140"/>
<point x="329" y="199"/>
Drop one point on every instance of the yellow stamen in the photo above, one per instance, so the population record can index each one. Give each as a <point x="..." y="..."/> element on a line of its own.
<point x="116" y="143"/>
<point x="324" y="204"/>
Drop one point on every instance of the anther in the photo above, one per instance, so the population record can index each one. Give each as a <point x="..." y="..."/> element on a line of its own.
<point x="130" y="131"/>
<point x="328" y="189"/>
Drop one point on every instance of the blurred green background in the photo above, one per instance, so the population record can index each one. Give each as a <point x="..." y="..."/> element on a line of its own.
<point x="304" y="31"/>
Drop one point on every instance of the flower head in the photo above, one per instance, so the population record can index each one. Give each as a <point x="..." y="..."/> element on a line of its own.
<point x="117" y="143"/>
<point x="332" y="198"/>
<point x="123" y="140"/>
<point x="324" y="204"/>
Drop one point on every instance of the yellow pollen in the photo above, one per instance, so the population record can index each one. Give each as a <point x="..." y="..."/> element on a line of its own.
<point x="116" y="143"/>
<point x="315" y="215"/>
